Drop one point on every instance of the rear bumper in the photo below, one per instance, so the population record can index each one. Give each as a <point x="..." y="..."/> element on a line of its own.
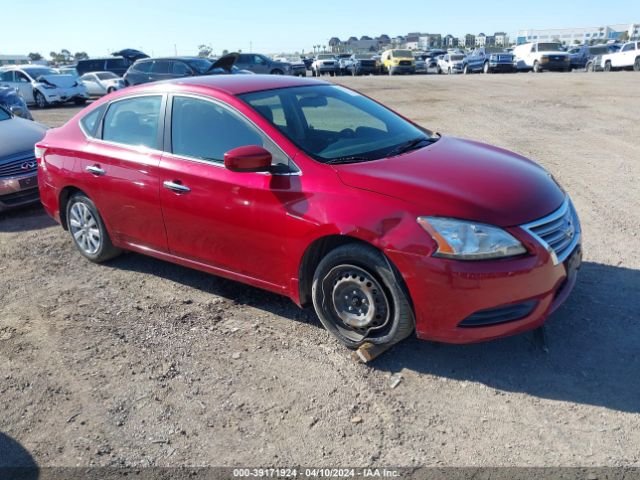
<point x="18" y="191"/>
<point x="468" y="302"/>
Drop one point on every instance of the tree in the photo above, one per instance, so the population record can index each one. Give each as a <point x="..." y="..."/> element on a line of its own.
<point x="225" y="52"/>
<point x="35" y="56"/>
<point x="64" y="56"/>
<point x="624" y="37"/>
<point x="80" y="56"/>
<point x="204" y="50"/>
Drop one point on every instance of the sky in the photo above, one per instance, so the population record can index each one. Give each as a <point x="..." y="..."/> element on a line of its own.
<point x="162" y="27"/>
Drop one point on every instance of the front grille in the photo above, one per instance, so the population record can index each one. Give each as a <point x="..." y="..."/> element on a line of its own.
<point x="18" y="164"/>
<point x="559" y="232"/>
<point x="494" y="316"/>
<point x="367" y="63"/>
<point x="405" y="63"/>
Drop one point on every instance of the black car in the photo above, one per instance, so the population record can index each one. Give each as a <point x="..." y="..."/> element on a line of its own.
<point x="118" y="64"/>
<point x="588" y="56"/>
<point x="363" y="64"/>
<point x="157" y="69"/>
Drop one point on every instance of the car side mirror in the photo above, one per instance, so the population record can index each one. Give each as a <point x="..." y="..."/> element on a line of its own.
<point x="251" y="158"/>
<point x="16" y="110"/>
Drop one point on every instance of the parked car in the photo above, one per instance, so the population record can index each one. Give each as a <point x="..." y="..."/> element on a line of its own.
<point x="101" y="83"/>
<point x="627" y="57"/>
<point x="582" y="56"/>
<point x="380" y="245"/>
<point x="18" y="168"/>
<point x="451" y="63"/>
<point x="363" y="64"/>
<point x="257" y="63"/>
<point x="115" y="65"/>
<point x="157" y="69"/>
<point x="43" y="86"/>
<point x="324" y="63"/>
<point x="398" y="61"/>
<point x="540" y="56"/>
<point x="12" y="101"/>
<point x="298" y="67"/>
<point x="344" y="62"/>
<point x="68" y="70"/>
<point x="479" y="60"/>
<point x="432" y="58"/>
<point x="421" y="65"/>
<point x="594" y="58"/>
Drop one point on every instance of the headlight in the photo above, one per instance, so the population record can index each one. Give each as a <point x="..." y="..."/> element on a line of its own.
<point x="464" y="240"/>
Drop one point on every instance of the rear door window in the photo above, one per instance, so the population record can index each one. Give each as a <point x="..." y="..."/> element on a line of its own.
<point x="160" y="66"/>
<point x="133" y="121"/>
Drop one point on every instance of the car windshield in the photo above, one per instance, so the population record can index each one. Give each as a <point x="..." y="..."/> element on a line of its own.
<point x="402" y="53"/>
<point x="550" y="47"/>
<point x="326" y="57"/>
<point x="36" y="72"/>
<point x="200" y="65"/>
<point x="106" y="75"/>
<point x="4" y="115"/>
<point x="363" y="57"/>
<point x="335" y="125"/>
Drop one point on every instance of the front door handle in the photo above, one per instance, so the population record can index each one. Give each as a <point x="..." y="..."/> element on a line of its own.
<point x="95" y="170"/>
<point x="176" y="187"/>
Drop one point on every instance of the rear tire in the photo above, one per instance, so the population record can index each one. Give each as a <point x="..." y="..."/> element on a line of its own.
<point x="359" y="297"/>
<point x="536" y="67"/>
<point x="607" y="66"/>
<point x="87" y="230"/>
<point x="636" y="65"/>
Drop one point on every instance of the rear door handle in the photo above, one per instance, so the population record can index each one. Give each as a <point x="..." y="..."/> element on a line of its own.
<point x="95" y="170"/>
<point x="176" y="187"/>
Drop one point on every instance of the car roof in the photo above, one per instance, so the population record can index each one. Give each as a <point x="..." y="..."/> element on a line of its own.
<point x="236" y="84"/>
<point x="171" y="58"/>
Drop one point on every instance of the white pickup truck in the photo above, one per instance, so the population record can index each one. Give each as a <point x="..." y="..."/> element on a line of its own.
<point x="628" y="56"/>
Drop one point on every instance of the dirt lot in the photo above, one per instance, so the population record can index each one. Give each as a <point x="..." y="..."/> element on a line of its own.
<point x="139" y="362"/>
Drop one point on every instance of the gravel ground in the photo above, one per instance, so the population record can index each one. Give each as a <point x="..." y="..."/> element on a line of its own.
<point x="140" y="362"/>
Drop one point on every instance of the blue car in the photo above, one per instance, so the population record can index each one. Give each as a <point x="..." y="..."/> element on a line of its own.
<point x="482" y="61"/>
<point x="585" y="56"/>
<point x="12" y="101"/>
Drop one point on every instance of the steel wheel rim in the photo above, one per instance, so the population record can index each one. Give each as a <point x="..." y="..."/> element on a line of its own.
<point x="84" y="228"/>
<point x="40" y="100"/>
<point x="355" y="301"/>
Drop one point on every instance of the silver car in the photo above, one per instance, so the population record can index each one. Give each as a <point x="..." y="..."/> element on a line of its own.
<point x="18" y="166"/>
<point x="101" y="83"/>
<point x="43" y="86"/>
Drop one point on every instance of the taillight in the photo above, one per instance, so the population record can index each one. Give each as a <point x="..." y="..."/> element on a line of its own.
<point x="39" y="154"/>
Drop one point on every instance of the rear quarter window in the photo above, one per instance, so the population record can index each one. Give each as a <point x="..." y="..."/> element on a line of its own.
<point x="91" y="121"/>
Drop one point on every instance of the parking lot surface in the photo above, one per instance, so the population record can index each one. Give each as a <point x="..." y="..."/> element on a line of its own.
<point x="139" y="362"/>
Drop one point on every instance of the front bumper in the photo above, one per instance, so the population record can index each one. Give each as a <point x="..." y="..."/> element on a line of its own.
<point x="502" y="67"/>
<point x="56" y="97"/>
<point x="554" y="64"/>
<point x="18" y="191"/>
<point x="449" y="296"/>
<point x="402" y="69"/>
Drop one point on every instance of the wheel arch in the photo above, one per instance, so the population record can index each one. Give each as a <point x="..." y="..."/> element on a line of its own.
<point x="63" y="199"/>
<point x="319" y="248"/>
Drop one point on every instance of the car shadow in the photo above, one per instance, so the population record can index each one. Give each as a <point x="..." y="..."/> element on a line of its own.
<point x="592" y="342"/>
<point x="233" y="291"/>
<point x="16" y="462"/>
<point x="22" y="219"/>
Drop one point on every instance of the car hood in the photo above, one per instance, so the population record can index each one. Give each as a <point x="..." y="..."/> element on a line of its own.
<point x="24" y="134"/>
<point x="461" y="179"/>
<point x="62" y="81"/>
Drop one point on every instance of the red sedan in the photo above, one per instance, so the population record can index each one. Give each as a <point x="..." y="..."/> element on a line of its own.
<point x="316" y="192"/>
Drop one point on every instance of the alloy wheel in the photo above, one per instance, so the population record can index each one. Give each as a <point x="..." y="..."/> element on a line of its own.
<point x="84" y="228"/>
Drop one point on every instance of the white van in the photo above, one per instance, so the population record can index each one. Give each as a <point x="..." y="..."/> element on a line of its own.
<point x="539" y="56"/>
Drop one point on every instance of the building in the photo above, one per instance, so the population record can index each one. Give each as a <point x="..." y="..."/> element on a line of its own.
<point x="468" y="41"/>
<point x="13" y="59"/>
<point x="429" y="40"/>
<point x="449" y="41"/>
<point x="481" y="40"/>
<point x="501" y="39"/>
<point x="580" y="35"/>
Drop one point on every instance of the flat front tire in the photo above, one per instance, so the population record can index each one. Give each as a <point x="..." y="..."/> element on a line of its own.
<point x="359" y="297"/>
<point x="88" y="231"/>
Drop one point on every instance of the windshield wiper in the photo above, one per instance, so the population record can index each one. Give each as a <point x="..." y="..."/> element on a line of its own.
<point x="351" y="159"/>
<point x="411" y="145"/>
